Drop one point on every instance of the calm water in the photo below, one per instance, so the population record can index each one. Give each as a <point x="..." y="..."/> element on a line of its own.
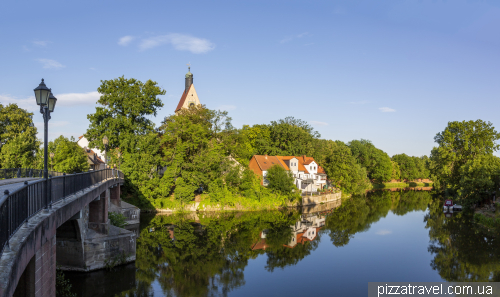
<point x="331" y="250"/>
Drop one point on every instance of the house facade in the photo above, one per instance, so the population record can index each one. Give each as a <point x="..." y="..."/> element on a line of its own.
<point x="308" y="175"/>
<point x="95" y="157"/>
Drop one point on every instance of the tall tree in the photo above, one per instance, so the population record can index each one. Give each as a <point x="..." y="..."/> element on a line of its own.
<point x="287" y="137"/>
<point x="458" y="144"/>
<point x="17" y="137"/>
<point x="195" y="150"/>
<point x="377" y="162"/>
<point x="123" y="114"/>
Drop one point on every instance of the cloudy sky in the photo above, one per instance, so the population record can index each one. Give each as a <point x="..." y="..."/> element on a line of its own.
<point x="394" y="72"/>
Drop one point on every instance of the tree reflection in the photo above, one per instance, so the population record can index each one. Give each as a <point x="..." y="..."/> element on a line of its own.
<point x="463" y="251"/>
<point x="207" y="255"/>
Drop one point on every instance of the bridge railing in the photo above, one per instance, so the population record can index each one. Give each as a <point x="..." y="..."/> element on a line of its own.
<point x="24" y="172"/>
<point x="18" y="207"/>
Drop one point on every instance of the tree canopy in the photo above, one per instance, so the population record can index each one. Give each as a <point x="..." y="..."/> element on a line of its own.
<point x="125" y="107"/>
<point x="377" y="163"/>
<point x="463" y="161"/>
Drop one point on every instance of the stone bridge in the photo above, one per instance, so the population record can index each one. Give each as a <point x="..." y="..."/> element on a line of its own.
<point x="63" y="219"/>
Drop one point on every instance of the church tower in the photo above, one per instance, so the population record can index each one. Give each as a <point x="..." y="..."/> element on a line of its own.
<point x="189" y="96"/>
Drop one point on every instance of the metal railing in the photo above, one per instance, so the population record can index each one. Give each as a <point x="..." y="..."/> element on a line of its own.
<point x="18" y="207"/>
<point x="24" y="172"/>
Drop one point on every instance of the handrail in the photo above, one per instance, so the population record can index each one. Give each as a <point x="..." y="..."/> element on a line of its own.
<point x="18" y="207"/>
<point x="24" y="172"/>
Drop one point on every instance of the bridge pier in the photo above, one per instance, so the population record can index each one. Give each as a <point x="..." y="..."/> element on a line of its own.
<point x="90" y="242"/>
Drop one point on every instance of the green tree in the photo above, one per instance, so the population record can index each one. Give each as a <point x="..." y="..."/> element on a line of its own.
<point x="69" y="157"/>
<point x="377" y="162"/>
<point x="396" y="171"/>
<point x="19" y="151"/>
<point x="287" y="137"/>
<point x="18" y="136"/>
<point x="280" y="180"/>
<point x="341" y="167"/>
<point x="197" y="145"/>
<point x="125" y="107"/>
<point x="14" y="121"/>
<point x="461" y="143"/>
<point x="407" y="166"/>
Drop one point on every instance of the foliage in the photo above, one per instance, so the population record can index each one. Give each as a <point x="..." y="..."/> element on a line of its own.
<point x="69" y="157"/>
<point x="412" y="168"/>
<point x="117" y="219"/>
<point x="460" y="162"/>
<point x="285" y="137"/>
<point x="479" y="179"/>
<point x="17" y="137"/>
<point x="15" y="121"/>
<point x="340" y="166"/>
<point x="63" y="286"/>
<point x="280" y="180"/>
<point x="396" y="171"/>
<point x="19" y="151"/>
<point x="196" y="148"/>
<point x="377" y="163"/>
<point x="125" y="107"/>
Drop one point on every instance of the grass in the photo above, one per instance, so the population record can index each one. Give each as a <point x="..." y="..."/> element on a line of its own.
<point x="400" y="185"/>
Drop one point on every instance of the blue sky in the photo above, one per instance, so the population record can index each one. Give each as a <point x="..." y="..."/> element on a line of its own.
<point x="394" y="72"/>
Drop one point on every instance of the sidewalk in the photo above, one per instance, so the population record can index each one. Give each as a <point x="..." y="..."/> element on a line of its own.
<point x="9" y="181"/>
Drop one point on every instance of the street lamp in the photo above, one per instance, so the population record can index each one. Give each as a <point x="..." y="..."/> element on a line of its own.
<point x="52" y="161"/>
<point x="47" y="103"/>
<point x="105" y="141"/>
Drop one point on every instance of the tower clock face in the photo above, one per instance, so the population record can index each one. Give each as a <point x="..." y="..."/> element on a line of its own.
<point x="191" y="104"/>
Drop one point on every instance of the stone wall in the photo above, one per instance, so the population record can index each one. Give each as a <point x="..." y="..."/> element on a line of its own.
<point x="324" y="198"/>
<point x="45" y="269"/>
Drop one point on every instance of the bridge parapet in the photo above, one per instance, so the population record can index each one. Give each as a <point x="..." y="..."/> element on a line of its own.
<point x="18" y="207"/>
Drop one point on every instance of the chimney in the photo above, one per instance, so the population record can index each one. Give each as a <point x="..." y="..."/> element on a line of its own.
<point x="265" y="156"/>
<point x="189" y="80"/>
<point x="304" y="157"/>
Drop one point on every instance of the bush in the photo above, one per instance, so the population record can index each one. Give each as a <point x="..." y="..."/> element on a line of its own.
<point x="117" y="219"/>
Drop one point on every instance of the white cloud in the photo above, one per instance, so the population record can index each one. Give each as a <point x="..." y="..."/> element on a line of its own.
<point x="26" y="103"/>
<point x="226" y="107"/>
<point x="42" y="43"/>
<point x="48" y="64"/>
<point x="73" y="99"/>
<point x="68" y="99"/>
<point x="359" y="102"/>
<point x="180" y="42"/>
<point x="386" y="109"/>
<point x="125" y="40"/>
<point x="316" y="123"/>
<point x="290" y="38"/>
<point x="383" y="232"/>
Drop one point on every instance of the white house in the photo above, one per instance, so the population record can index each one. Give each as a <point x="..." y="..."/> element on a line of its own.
<point x="309" y="176"/>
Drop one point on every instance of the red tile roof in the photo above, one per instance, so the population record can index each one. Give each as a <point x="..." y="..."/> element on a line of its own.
<point x="265" y="162"/>
<point x="183" y="99"/>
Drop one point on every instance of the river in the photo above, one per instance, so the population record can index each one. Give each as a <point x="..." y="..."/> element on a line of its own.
<point x="330" y="250"/>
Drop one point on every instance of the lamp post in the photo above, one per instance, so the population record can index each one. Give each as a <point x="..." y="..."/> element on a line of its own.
<point x="47" y="103"/>
<point x="52" y="161"/>
<point x="105" y="141"/>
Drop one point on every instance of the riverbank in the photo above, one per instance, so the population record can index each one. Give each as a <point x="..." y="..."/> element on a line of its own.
<point x="488" y="217"/>
<point x="400" y="185"/>
<point x="231" y="203"/>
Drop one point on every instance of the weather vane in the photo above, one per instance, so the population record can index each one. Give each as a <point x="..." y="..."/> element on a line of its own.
<point x="189" y="66"/>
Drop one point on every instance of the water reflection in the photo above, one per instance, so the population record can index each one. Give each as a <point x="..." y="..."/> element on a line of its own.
<point x="207" y="254"/>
